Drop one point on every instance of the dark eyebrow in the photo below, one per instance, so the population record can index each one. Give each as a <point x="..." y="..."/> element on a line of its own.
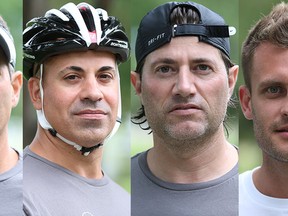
<point x="106" y="68"/>
<point x="163" y="60"/>
<point x="72" y="68"/>
<point x="203" y="60"/>
<point x="79" y="69"/>
<point x="172" y="61"/>
<point x="270" y="82"/>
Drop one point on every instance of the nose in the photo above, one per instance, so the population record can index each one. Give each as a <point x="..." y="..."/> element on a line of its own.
<point x="184" y="84"/>
<point x="284" y="108"/>
<point x="91" y="90"/>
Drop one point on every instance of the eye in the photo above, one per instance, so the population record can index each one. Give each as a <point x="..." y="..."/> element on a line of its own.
<point x="164" y="69"/>
<point x="72" y="77"/>
<point x="105" y="77"/>
<point x="274" y="90"/>
<point x="203" y="68"/>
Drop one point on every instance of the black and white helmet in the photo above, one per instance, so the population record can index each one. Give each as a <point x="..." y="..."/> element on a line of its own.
<point x="72" y="28"/>
<point x="7" y="45"/>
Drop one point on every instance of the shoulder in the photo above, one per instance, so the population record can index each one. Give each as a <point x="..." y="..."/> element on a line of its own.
<point x="135" y="158"/>
<point x="245" y="178"/>
<point x="34" y="165"/>
<point x="118" y="190"/>
<point x="138" y="162"/>
<point x="246" y="188"/>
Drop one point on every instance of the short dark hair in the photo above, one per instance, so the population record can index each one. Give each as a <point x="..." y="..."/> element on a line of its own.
<point x="272" y="28"/>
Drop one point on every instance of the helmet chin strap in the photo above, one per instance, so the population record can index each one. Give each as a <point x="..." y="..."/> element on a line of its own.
<point x="46" y="125"/>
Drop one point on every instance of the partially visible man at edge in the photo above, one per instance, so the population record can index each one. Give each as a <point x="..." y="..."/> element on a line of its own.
<point x="185" y="79"/>
<point x="11" y="197"/>
<point x="264" y="100"/>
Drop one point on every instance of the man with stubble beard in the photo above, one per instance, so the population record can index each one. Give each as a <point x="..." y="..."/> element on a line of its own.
<point x="185" y="79"/>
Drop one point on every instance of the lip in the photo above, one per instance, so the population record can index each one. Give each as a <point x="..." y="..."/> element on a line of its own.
<point x="282" y="131"/>
<point x="92" y="114"/>
<point x="184" y="109"/>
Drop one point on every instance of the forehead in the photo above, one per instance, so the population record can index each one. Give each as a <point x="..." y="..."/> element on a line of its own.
<point x="86" y="60"/>
<point x="270" y="63"/>
<point x="184" y="48"/>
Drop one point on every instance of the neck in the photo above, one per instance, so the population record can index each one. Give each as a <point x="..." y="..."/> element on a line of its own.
<point x="8" y="157"/>
<point x="65" y="155"/>
<point x="272" y="177"/>
<point x="213" y="158"/>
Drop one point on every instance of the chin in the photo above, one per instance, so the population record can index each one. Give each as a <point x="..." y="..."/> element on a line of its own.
<point x="186" y="133"/>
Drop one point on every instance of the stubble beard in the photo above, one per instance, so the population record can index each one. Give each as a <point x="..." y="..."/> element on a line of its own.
<point x="189" y="139"/>
<point x="265" y="142"/>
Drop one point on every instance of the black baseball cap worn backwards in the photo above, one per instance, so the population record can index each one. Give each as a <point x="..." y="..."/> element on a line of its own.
<point x="155" y="29"/>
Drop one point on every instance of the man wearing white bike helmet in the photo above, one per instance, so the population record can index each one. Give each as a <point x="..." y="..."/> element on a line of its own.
<point x="71" y="58"/>
<point x="10" y="160"/>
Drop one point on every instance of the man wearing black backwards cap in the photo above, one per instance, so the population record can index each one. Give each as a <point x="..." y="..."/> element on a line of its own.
<point x="10" y="160"/>
<point x="184" y="78"/>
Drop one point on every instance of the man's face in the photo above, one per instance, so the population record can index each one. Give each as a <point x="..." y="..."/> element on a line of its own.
<point x="185" y="89"/>
<point x="80" y="95"/>
<point x="6" y="94"/>
<point x="267" y="103"/>
<point x="9" y="94"/>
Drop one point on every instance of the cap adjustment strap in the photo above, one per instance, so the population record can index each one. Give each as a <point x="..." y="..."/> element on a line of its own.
<point x="200" y="30"/>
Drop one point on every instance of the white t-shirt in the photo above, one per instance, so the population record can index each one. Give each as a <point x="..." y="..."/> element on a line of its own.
<point x="254" y="203"/>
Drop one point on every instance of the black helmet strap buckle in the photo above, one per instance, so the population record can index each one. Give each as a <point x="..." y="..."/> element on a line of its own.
<point x="84" y="150"/>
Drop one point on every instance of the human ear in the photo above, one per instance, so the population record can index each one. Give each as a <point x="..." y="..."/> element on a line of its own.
<point x="34" y="91"/>
<point x="16" y="82"/>
<point x="245" y="101"/>
<point x="136" y="82"/>
<point x="232" y="78"/>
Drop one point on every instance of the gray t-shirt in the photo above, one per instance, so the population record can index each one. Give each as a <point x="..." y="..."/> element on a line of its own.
<point x="11" y="196"/>
<point x="152" y="196"/>
<point x="51" y="190"/>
